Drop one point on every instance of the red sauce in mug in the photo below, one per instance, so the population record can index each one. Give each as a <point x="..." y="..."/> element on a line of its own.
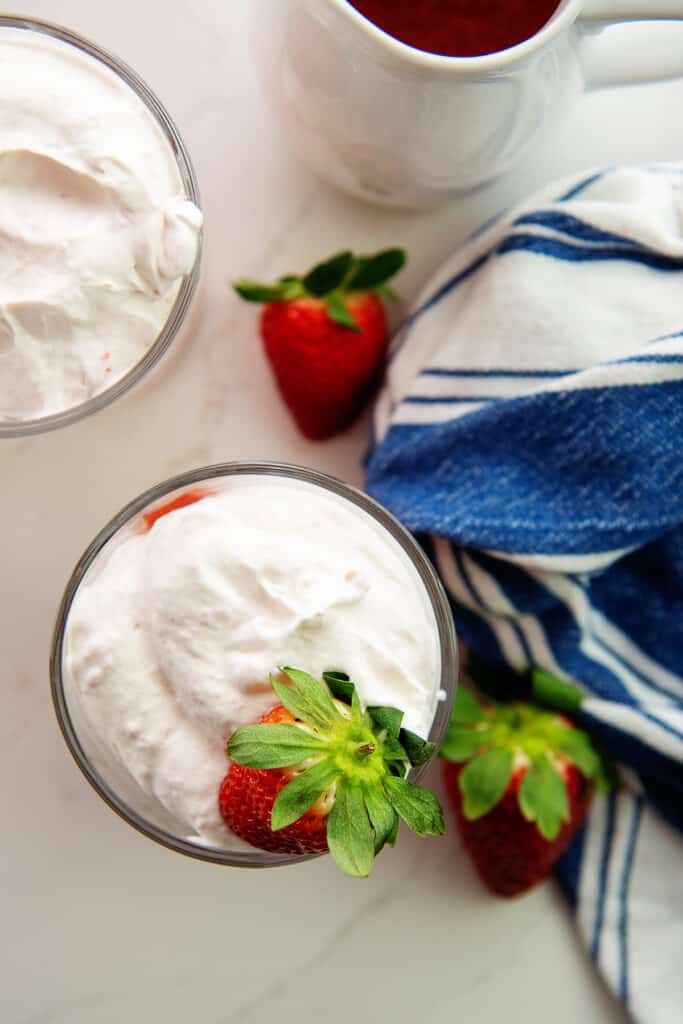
<point x="459" y="28"/>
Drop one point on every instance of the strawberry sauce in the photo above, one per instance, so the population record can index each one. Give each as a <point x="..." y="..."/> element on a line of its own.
<point x="459" y="28"/>
<point x="188" y="497"/>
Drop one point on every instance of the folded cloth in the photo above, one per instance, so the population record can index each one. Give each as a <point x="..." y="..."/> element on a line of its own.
<point x="530" y="431"/>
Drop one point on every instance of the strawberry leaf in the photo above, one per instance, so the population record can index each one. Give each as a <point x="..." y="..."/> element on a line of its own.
<point x="337" y="311"/>
<point x="272" y="745"/>
<point x="252" y="291"/>
<point x="419" y="751"/>
<point x="392" y="750"/>
<point x="350" y="836"/>
<point x="467" y="708"/>
<point x="340" y="685"/>
<point x="383" y="817"/>
<point x="387" y="718"/>
<point x="460" y="743"/>
<point x="484" y="780"/>
<point x="326" y="277"/>
<point x="386" y="293"/>
<point x="555" y="693"/>
<point x="577" y="746"/>
<point x="372" y="271"/>
<point x="306" y="698"/>
<point x="299" y="795"/>
<point x="543" y="797"/>
<point x="393" y="835"/>
<point x="418" y="807"/>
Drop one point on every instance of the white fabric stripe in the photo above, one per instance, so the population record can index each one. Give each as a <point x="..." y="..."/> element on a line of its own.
<point x="478" y="387"/>
<point x="614" y="375"/>
<point x="505" y="634"/>
<point x="592" y="625"/>
<point x="435" y="386"/>
<point x="631" y="721"/>
<point x="498" y="602"/>
<point x="587" y="563"/>
<point x="609" y="375"/>
<point x="634" y="656"/>
<point x="602" y="627"/>
<point x="609" y="958"/>
<point x="434" y="412"/>
<point x="588" y="885"/>
<point x="655" y="923"/>
<point x="382" y="415"/>
<point x="558" y="235"/>
<point x="665" y="346"/>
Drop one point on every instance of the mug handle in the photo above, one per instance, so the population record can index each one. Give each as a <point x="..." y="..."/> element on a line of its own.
<point x="607" y="61"/>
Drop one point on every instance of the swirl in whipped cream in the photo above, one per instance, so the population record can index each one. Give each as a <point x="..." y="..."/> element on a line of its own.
<point x="95" y="231"/>
<point x="174" y="632"/>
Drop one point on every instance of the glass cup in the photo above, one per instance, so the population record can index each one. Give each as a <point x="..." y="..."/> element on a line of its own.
<point x="78" y="735"/>
<point x="188" y="284"/>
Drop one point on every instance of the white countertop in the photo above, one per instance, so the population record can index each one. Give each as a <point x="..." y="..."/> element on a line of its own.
<point x="100" y="925"/>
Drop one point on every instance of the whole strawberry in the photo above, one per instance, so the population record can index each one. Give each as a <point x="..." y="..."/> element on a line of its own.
<point x="325" y="335"/>
<point x="320" y="773"/>
<point x="520" y="780"/>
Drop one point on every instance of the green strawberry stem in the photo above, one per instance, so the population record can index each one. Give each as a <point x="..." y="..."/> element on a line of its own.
<point x="493" y="739"/>
<point x="362" y="753"/>
<point x="332" y="280"/>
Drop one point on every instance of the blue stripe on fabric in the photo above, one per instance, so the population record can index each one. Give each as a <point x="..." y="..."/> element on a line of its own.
<point x="602" y="877"/>
<point x="623" y="900"/>
<point x="559" y="250"/>
<point x="446" y="288"/>
<point x="661" y="777"/>
<point x="582" y="185"/>
<point x="643" y="594"/>
<point x="569" y="867"/>
<point x="477" y="598"/>
<point x="646" y="681"/>
<point x="666" y="337"/>
<point x="470" y="627"/>
<point x="465" y="576"/>
<point x="575" y="228"/>
<point x="434" y="299"/>
<point x="662" y="725"/>
<point x="438" y="371"/>
<point x="447" y="399"/>
<point x="656" y="357"/>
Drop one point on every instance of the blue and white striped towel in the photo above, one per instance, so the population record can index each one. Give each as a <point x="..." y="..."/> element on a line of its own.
<point x="531" y="431"/>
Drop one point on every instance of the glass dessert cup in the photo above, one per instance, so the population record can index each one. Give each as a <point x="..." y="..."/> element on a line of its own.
<point x="19" y="427"/>
<point x="78" y="734"/>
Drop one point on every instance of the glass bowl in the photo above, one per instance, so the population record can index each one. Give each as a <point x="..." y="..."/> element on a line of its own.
<point x="188" y="284"/>
<point x="68" y="713"/>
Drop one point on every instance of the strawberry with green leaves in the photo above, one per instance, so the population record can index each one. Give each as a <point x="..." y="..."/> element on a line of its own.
<point x="319" y="773"/>
<point x="325" y="335"/>
<point x="520" y="779"/>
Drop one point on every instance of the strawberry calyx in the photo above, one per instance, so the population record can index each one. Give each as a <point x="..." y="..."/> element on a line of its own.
<point x="331" y="281"/>
<point x="355" y="758"/>
<point x="519" y="745"/>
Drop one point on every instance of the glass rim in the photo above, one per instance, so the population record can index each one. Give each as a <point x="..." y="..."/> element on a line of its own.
<point x="448" y="648"/>
<point x="188" y="284"/>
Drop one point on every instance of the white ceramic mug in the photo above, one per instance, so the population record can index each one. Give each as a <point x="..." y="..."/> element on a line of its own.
<point x="402" y="127"/>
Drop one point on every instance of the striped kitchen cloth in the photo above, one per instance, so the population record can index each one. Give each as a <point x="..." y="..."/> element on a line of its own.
<point x="531" y="432"/>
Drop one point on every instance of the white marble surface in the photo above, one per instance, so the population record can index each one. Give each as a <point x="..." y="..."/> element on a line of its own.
<point x="99" y="924"/>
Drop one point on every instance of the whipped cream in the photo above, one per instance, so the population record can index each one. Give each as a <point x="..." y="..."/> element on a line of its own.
<point x="95" y="231"/>
<point x="174" y="632"/>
